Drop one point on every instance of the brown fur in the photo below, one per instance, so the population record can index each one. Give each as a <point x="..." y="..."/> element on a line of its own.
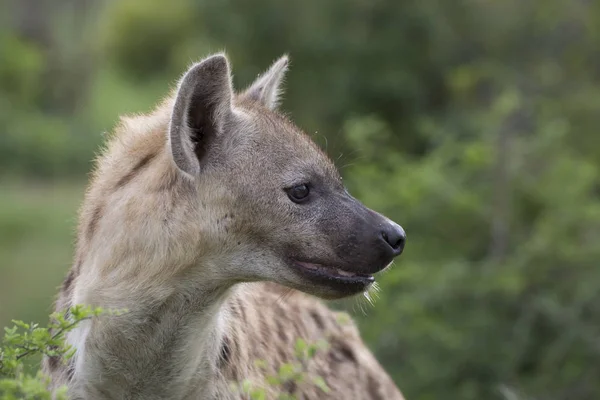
<point x="179" y="241"/>
<point x="274" y="317"/>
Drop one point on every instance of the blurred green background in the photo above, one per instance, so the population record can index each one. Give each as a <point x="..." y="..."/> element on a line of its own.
<point x="473" y="123"/>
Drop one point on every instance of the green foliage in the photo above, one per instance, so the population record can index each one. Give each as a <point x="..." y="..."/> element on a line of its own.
<point x="21" y="71"/>
<point x="154" y="37"/>
<point x="294" y="375"/>
<point x="488" y="310"/>
<point x="23" y="341"/>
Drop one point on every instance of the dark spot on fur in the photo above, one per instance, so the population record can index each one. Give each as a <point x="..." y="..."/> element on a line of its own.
<point x="77" y="266"/>
<point x="281" y="331"/>
<point x="66" y="287"/>
<point x="318" y="319"/>
<point x="53" y="362"/>
<point x="347" y="352"/>
<point x="341" y="352"/>
<point x="225" y="353"/>
<point x="134" y="171"/>
<point x="282" y="355"/>
<point x="234" y="310"/>
<point x="265" y="333"/>
<point x="91" y="229"/>
<point x="374" y="388"/>
<point x="70" y="371"/>
<point x="289" y="387"/>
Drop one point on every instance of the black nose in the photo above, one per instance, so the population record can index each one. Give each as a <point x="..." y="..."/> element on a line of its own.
<point x="395" y="237"/>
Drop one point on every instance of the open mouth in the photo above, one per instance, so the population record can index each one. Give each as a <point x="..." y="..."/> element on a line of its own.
<point x="333" y="276"/>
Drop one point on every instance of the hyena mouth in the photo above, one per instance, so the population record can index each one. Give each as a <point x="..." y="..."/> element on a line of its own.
<point x="331" y="275"/>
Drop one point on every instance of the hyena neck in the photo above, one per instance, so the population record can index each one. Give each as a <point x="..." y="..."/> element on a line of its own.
<point x="166" y="345"/>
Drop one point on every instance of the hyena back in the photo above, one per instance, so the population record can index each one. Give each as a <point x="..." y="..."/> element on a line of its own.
<point x="212" y="220"/>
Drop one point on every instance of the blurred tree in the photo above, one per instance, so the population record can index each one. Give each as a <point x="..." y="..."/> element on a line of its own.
<point x="497" y="291"/>
<point x="142" y="40"/>
<point x="43" y="83"/>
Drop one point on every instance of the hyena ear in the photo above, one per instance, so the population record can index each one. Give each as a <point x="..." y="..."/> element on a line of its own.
<point x="266" y="88"/>
<point x="202" y="107"/>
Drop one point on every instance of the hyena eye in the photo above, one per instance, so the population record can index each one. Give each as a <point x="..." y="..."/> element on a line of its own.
<point x="298" y="193"/>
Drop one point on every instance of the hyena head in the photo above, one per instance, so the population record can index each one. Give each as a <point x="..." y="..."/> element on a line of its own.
<point x="277" y="207"/>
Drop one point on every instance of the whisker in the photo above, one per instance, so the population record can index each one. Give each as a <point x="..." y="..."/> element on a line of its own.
<point x="360" y="303"/>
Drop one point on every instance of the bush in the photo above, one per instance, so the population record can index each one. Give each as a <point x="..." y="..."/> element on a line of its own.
<point x="24" y="341"/>
<point x="30" y="341"/>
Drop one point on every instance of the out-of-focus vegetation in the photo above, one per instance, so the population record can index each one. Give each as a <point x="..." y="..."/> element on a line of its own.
<point x="277" y="379"/>
<point x="23" y="344"/>
<point x="473" y="123"/>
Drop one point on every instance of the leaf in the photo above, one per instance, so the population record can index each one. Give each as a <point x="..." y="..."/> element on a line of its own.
<point x="321" y="384"/>
<point x="273" y="380"/>
<point x="262" y="364"/>
<point x="286" y="371"/>
<point x="258" y="394"/>
<point x="246" y="386"/>
<point x="300" y="348"/>
<point x="20" y="324"/>
<point x="312" y="350"/>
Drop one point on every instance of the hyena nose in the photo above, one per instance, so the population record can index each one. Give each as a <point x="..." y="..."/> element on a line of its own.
<point x="395" y="237"/>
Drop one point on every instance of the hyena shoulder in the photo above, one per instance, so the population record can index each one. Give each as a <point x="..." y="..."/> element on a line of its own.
<point x="265" y="322"/>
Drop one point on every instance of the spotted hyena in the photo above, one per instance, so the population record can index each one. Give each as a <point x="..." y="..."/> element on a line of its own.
<point x="212" y="220"/>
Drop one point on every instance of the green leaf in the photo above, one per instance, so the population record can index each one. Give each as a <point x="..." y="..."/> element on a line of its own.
<point x="246" y="386"/>
<point x="273" y="380"/>
<point x="20" y="324"/>
<point x="258" y="394"/>
<point x="300" y="348"/>
<point x="262" y="364"/>
<point x="320" y="383"/>
<point x="286" y="371"/>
